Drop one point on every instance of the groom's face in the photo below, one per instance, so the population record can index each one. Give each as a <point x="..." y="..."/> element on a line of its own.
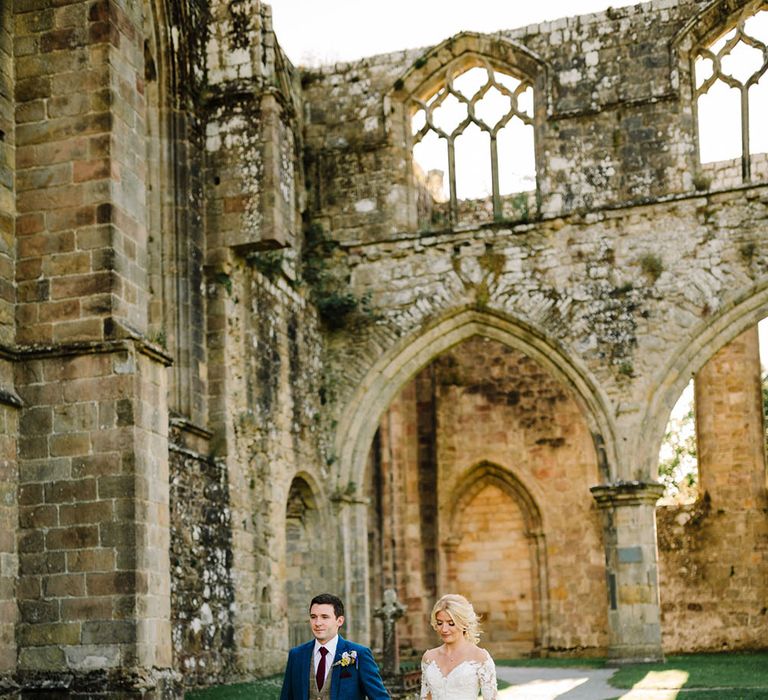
<point x="325" y="624"/>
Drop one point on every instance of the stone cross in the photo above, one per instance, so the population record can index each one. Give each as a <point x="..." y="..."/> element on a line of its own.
<point x="389" y="612"/>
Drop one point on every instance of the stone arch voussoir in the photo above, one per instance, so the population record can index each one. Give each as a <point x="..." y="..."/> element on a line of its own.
<point x="502" y="53"/>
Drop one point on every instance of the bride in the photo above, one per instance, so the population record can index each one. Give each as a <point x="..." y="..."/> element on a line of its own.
<point x="458" y="669"/>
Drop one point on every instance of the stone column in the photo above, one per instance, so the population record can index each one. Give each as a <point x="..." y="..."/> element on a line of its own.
<point x="94" y="571"/>
<point x="9" y="518"/>
<point x="629" y="521"/>
<point x="723" y="606"/>
<point x="94" y="574"/>
<point x="8" y="402"/>
<point x="729" y="426"/>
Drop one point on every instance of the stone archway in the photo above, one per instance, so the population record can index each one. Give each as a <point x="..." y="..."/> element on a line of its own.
<point x="388" y="376"/>
<point x="306" y="563"/>
<point x="737" y="315"/>
<point x="496" y="557"/>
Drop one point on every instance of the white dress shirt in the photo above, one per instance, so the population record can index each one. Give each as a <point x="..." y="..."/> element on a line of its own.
<point x="330" y="645"/>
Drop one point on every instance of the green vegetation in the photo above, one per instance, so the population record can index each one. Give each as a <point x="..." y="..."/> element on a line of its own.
<point x="269" y="263"/>
<point x="652" y="265"/>
<point x="337" y="306"/>
<point x="678" y="462"/>
<point x="262" y="689"/>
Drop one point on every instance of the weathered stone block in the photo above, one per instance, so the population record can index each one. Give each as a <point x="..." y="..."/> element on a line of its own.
<point x="47" y="634"/>
<point x="109" y="632"/>
<point x="48" y="658"/>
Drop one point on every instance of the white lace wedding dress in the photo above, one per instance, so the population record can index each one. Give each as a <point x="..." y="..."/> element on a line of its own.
<point x="465" y="682"/>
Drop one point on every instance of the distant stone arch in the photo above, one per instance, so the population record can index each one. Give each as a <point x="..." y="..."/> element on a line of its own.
<point x="495" y="554"/>
<point x="306" y="560"/>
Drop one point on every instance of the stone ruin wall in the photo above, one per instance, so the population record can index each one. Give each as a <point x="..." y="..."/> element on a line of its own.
<point x="611" y="133"/>
<point x="713" y="554"/>
<point x="255" y="372"/>
<point x="624" y="221"/>
<point x="8" y="412"/>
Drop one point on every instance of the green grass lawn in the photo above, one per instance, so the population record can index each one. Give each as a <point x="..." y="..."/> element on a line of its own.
<point x="732" y="676"/>
<point x="712" y="671"/>
<point x="262" y="689"/>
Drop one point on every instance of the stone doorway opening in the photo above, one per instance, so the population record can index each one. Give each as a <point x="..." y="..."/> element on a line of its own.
<point x="478" y="479"/>
<point x="306" y="563"/>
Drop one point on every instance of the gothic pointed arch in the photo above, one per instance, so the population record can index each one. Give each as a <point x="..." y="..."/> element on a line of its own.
<point x="490" y="506"/>
<point x="307" y="560"/>
<point x="467" y="111"/>
<point x="736" y="316"/>
<point x="468" y="46"/>
<point x="477" y="477"/>
<point x="387" y="375"/>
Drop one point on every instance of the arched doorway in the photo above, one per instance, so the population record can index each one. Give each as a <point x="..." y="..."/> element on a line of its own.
<point x="445" y="528"/>
<point x="496" y="559"/>
<point x="306" y="563"/>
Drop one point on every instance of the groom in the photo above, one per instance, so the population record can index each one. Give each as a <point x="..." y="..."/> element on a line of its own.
<point x="330" y="667"/>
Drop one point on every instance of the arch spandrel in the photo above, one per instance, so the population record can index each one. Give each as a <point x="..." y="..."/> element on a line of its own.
<point x="383" y="380"/>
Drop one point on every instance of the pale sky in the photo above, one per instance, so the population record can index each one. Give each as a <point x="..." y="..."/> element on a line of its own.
<point x="315" y="32"/>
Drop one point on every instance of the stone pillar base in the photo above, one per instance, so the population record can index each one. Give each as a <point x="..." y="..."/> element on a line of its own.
<point x="116" y="683"/>
<point x="629" y="521"/>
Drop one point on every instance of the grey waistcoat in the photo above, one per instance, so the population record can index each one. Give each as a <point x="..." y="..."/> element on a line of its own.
<point x="325" y="693"/>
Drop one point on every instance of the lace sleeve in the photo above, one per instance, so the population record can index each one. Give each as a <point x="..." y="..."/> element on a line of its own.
<point x="425" y="693"/>
<point x="487" y="677"/>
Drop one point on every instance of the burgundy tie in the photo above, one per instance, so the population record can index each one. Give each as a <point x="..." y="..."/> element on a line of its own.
<point x="320" y="675"/>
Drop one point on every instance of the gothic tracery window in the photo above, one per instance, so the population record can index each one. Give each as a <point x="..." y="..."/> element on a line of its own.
<point x="731" y="95"/>
<point x="473" y="143"/>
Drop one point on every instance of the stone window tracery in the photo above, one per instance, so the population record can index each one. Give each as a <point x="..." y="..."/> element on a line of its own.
<point x="473" y="143"/>
<point x="731" y="94"/>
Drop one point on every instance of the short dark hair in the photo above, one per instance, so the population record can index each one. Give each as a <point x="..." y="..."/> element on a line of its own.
<point x="328" y="599"/>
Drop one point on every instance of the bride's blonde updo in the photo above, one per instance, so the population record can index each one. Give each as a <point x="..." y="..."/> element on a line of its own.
<point x="460" y="610"/>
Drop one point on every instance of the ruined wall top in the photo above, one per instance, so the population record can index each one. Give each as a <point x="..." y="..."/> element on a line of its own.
<point x="614" y="121"/>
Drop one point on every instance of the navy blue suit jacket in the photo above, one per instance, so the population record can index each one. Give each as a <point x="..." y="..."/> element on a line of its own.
<point x="354" y="682"/>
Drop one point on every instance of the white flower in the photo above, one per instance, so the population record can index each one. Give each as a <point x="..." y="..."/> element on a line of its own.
<point x="347" y="659"/>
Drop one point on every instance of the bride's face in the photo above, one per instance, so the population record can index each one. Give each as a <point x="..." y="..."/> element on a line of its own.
<point x="448" y="630"/>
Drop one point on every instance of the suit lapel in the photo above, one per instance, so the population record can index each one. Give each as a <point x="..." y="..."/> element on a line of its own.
<point x="306" y="666"/>
<point x="341" y="647"/>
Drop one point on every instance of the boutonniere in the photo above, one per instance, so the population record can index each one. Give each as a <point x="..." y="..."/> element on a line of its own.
<point x="347" y="659"/>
